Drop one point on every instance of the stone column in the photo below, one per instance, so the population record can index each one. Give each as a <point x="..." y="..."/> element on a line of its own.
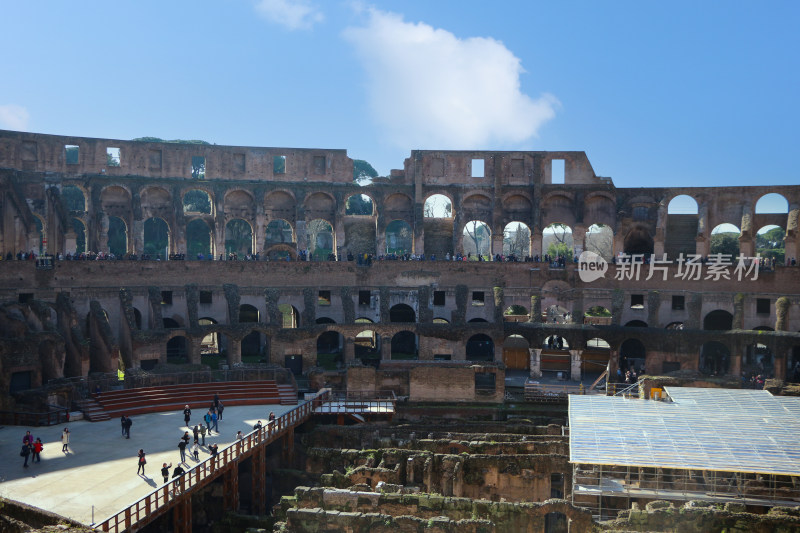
<point x="661" y="231"/>
<point x="349" y="349"/>
<point x="234" y="351"/>
<point x="575" y="364"/>
<point x="193" y="350"/>
<point x="261" y="230"/>
<point x="578" y="240"/>
<point x="779" y="360"/>
<point x="536" y="242"/>
<point x="703" y="239"/>
<point x="791" y="239"/>
<point x="386" y="347"/>
<point x="341" y="240"/>
<point x="136" y="237"/>
<point x="497" y="244"/>
<point x="536" y="362"/>
<point x="70" y="241"/>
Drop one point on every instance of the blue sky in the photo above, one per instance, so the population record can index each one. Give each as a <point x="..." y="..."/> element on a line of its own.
<point x="669" y="93"/>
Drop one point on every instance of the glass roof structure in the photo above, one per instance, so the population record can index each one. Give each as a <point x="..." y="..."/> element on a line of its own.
<point x="727" y="430"/>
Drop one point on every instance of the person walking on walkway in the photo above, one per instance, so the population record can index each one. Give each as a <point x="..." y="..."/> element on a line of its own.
<point x="196" y="433"/>
<point x="165" y="471"/>
<point x="214" y="420"/>
<point x="220" y="408"/>
<point x="207" y="420"/>
<point x="122" y="421"/>
<point x="142" y="462"/>
<point x="196" y="451"/>
<point x="26" y="452"/>
<point x="128" y="424"/>
<point x="65" y="441"/>
<point x="182" y="448"/>
<point x="216" y="400"/>
<point x="187" y="415"/>
<point x="203" y="434"/>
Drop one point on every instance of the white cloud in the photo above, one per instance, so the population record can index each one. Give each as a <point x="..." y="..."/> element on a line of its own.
<point x="293" y="14"/>
<point x="13" y="117"/>
<point x="428" y="88"/>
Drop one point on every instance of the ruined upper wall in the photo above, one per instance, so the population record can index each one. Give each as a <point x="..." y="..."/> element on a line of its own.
<point x="48" y="153"/>
<point x="497" y="168"/>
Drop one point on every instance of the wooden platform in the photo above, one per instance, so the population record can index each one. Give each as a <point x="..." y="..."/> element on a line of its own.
<point x="199" y="397"/>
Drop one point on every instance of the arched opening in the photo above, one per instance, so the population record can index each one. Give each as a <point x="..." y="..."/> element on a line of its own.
<point x="477" y="240"/>
<point x="404" y="346"/>
<point x="399" y="238"/>
<point x="197" y="201"/>
<point x="367" y="347"/>
<point x="238" y="238"/>
<point x="321" y="240"/>
<point x="600" y="240"/>
<point x="210" y="343"/>
<point x="555" y="342"/>
<point x="758" y="361"/>
<point x="439" y="320"/>
<point x="772" y="203"/>
<point x="402" y="313"/>
<point x="359" y="204"/>
<point x="251" y="343"/>
<point x="476" y="320"/>
<point x="516" y="241"/>
<point x="40" y="233"/>
<point x="176" y="350"/>
<point x="290" y="316"/>
<point x="595" y="356"/>
<point x="169" y="323"/>
<point x="770" y="244"/>
<point x="636" y="324"/>
<point x="156" y="238"/>
<point x="675" y="325"/>
<point x="137" y="318"/>
<point x="557" y="314"/>
<point x="557" y="243"/>
<point x="638" y="241"/>
<point x="632" y="355"/>
<point x="480" y="347"/>
<point x="73" y="199"/>
<point x="198" y="239"/>
<point x="725" y="240"/>
<point x="279" y="232"/>
<point x="682" y="204"/>
<point x="438" y="206"/>
<point x="329" y="350"/>
<point x="80" y="235"/>
<point x="516" y="353"/>
<point x="714" y="359"/>
<point x="117" y="236"/>
<point x="718" y="320"/>
<point x="556" y="523"/>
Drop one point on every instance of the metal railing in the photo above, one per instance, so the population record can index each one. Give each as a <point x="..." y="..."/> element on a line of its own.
<point x="160" y="500"/>
<point x="56" y="415"/>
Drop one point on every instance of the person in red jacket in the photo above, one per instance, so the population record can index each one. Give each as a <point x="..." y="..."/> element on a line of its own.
<point x="38" y="446"/>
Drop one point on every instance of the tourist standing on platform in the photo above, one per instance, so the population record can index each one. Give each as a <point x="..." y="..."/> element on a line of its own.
<point x="28" y="438"/>
<point x="165" y="471"/>
<point x="220" y="408"/>
<point x="187" y="415"/>
<point x="122" y="421"/>
<point x="271" y="419"/>
<point x="196" y="451"/>
<point x="182" y="448"/>
<point x="214" y="421"/>
<point x="207" y="420"/>
<point x="26" y="452"/>
<point x="203" y="434"/>
<point x="196" y="433"/>
<point x="65" y="441"/>
<point x="142" y="462"/>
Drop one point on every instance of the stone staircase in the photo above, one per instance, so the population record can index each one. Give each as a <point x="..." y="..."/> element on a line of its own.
<point x="198" y="396"/>
<point x="93" y="411"/>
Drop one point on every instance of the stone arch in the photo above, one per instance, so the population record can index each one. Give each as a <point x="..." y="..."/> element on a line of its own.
<point x="636" y="324"/>
<point x="476" y="239"/>
<point x="476" y="205"/>
<point x="199" y="241"/>
<point x="367" y="346"/>
<point x="399" y="237"/>
<point x="117" y="236"/>
<point x="638" y="241"/>
<point x="325" y="320"/>
<point x="210" y="342"/>
<point x="758" y="359"/>
<point x="477" y="320"/>
<point x="558" y="207"/>
<point x="772" y="202"/>
<point x="137" y="318"/>
<point x="398" y="203"/>
<point x="517" y="240"/>
<point x="80" y="234"/>
<point x="239" y="203"/>
<point x="682" y="204"/>
<point x="177" y="349"/>
<point x="405" y="345"/>
<point x="281" y="204"/>
<point x="675" y="326"/>
<point x="359" y="204"/>
<point x="238" y="237"/>
<point x="74" y="198"/>
<point x="600" y="240"/>
<point x="632" y="355"/>
<point x="516" y="352"/>
<point x="402" y="313"/>
<point x="440" y="320"/>
<point x="156" y="238"/>
<point x="115" y="200"/>
<point x="170" y="322"/>
<point x="600" y="208"/>
<point x="321" y="239"/>
<point x="198" y="201"/>
<point x="321" y="204"/>
<point x="718" y="320"/>
<point x="725" y="240"/>
<point x="714" y="358"/>
<point x="480" y="347"/>
<point x="557" y="240"/>
<point x="438" y="206"/>
<point x="517" y="205"/>
<point x="770" y="243"/>
<point x="279" y="231"/>
<point x="290" y="316"/>
<point x="330" y="350"/>
<point x="280" y="252"/>
<point x="155" y="201"/>
<point x="555" y="342"/>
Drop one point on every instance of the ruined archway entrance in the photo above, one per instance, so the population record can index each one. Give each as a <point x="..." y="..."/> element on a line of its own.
<point x="759" y="361"/>
<point x="480" y="347"/>
<point x="330" y="350"/>
<point x="238" y="238"/>
<point x="402" y="313"/>
<point x="117" y="236"/>
<point x="632" y="355"/>
<point x="177" y="350"/>
<point x="714" y="359"/>
<point x="251" y="343"/>
<point x="156" y="238"/>
<point x="198" y="239"/>
<point x="399" y="238"/>
<point x="718" y="320"/>
<point x="404" y="346"/>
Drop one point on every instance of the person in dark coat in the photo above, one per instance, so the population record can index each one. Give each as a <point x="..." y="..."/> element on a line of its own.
<point x="187" y="415"/>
